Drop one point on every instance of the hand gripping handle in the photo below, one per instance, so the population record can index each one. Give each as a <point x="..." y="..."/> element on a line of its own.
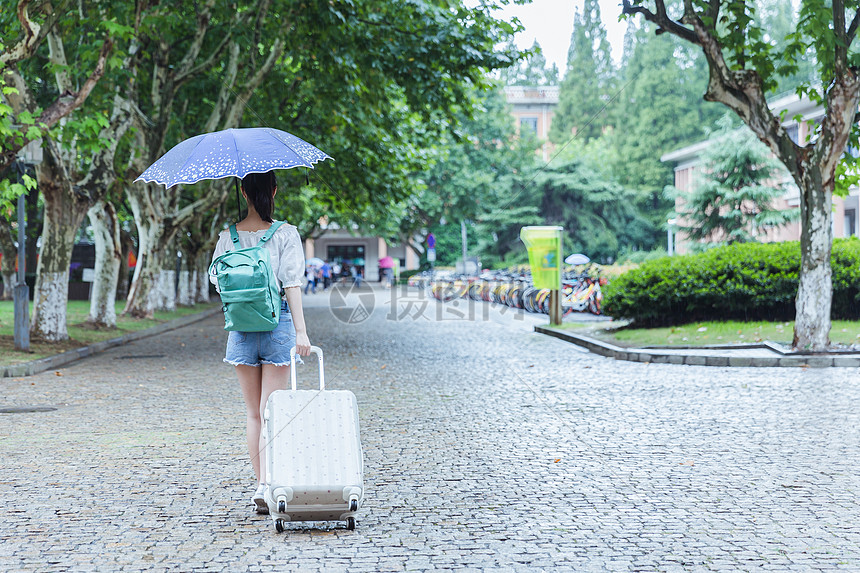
<point x="315" y="350"/>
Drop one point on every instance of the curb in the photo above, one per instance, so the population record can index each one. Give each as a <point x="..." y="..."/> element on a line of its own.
<point x="57" y="360"/>
<point x="783" y="360"/>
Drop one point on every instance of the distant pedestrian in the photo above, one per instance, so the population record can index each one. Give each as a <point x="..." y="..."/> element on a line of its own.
<point x="310" y="277"/>
<point x="355" y="273"/>
<point x="262" y="359"/>
<point x="325" y="270"/>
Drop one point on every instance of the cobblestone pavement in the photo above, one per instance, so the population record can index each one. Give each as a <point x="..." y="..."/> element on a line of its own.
<point x="487" y="448"/>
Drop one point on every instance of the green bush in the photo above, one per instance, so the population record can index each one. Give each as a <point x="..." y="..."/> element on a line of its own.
<point x="749" y="281"/>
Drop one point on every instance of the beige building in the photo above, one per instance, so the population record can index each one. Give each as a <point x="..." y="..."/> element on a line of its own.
<point x="533" y="109"/>
<point x="337" y="245"/>
<point x="845" y="209"/>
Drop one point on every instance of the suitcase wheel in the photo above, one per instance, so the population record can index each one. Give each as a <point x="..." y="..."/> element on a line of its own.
<point x="353" y="505"/>
<point x="279" y="525"/>
<point x="282" y="506"/>
<point x="350" y="523"/>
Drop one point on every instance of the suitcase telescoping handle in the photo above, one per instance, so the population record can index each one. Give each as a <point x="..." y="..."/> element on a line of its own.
<point x="315" y="350"/>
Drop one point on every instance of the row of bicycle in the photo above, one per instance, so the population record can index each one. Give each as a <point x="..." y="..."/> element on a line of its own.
<point x="580" y="291"/>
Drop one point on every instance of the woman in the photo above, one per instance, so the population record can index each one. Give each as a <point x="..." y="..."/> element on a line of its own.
<point x="262" y="359"/>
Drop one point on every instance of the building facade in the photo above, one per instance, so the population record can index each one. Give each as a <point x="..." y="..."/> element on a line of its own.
<point x="337" y="245"/>
<point x="801" y="118"/>
<point x="533" y="109"/>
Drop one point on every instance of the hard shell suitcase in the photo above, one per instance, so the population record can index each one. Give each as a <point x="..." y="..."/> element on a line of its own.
<point x="314" y="461"/>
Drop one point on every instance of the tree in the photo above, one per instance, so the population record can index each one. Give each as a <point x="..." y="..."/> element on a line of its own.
<point x="743" y="68"/>
<point x="471" y="173"/>
<point x="354" y="86"/>
<point x="35" y="120"/>
<point x="587" y="84"/>
<point x="661" y="104"/>
<point x="531" y="70"/>
<point x="733" y="200"/>
<point x="599" y="216"/>
<point x="65" y="181"/>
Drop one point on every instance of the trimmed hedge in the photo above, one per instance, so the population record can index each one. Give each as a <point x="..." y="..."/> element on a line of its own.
<point x="749" y="281"/>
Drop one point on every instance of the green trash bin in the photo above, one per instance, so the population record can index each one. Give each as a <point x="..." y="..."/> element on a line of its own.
<point x="544" y="247"/>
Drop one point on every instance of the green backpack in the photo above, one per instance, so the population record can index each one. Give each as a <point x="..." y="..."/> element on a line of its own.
<point x="250" y="297"/>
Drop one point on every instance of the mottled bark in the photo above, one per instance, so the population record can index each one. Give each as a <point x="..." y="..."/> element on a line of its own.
<point x="814" y="294"/>
<point x="64" y="212"/>
<point x="105" y="225"/>
<point x="142" y="298"/>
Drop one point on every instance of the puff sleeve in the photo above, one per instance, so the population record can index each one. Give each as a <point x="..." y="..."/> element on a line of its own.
<point x="291" y="264"/>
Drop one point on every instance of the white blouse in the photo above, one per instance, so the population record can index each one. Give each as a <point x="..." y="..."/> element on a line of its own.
<point x="285" y="251"/>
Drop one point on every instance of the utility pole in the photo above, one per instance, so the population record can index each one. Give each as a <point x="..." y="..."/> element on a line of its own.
<point x="670" y="243"/>
<point x="31" y="154"/>
<point x="22" y="291"/>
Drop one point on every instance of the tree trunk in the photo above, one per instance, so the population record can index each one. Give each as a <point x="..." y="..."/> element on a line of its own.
<point x="142" y="296"/>
<point x="145" y="294"/>
<point x="108" y="258"/>
<point x="185" y="297"/>
<point x="167" y="283"/>
<point x="127" y="245"/>
<point x="202" y="269"/>
<point x="63" y="216"/>
<point x="814" y="294"/>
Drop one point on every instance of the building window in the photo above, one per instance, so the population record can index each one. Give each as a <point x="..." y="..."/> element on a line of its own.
<point x="528" y="123"/>
<point x="850" y="222"/>
<point x="792" y="131"/>
<point x="350" y="254"/>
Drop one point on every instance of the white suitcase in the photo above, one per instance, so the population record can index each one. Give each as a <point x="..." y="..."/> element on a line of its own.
<point x="314" y="461"/>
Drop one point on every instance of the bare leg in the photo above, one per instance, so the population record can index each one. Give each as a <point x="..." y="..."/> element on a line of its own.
<point x="273" y="378"/>
<point x="250" y="381"/>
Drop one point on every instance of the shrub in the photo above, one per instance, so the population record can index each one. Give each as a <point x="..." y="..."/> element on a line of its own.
<point x="748" y="281"/>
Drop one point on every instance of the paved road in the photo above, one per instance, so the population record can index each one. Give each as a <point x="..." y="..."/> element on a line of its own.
<point x="488" y="448"/>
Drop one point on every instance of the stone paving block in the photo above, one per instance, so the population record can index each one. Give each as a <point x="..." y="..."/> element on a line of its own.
<point x="765" y="361"/>
<point x="793" y="361"/>
<point x="820" y="361"/>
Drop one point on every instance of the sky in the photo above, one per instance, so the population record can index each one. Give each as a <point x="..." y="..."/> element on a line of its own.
<point x="550" y="22"/>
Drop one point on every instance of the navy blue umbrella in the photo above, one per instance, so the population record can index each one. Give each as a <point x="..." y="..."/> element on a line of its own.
<point x="231" y="153"/>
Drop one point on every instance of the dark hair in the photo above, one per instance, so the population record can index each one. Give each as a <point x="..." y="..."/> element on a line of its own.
<point x="259" y="188"/>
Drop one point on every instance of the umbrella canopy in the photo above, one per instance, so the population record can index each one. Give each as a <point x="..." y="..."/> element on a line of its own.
<point x="231" y="153"/>
<point x="315" y="262"/>
<point x="577" y="259"/>
<point x="359" y="262"/>
<point x="386" y="263"/>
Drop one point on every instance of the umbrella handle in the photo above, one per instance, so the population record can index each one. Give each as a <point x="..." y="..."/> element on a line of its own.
<point x="238" y="200"/>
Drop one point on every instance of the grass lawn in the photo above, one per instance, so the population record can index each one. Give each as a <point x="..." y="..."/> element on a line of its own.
<point x="730" y="332"/>
<point x="81" y="335"/>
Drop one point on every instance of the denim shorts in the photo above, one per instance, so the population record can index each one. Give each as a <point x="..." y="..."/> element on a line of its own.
<point x="256" y="348"/>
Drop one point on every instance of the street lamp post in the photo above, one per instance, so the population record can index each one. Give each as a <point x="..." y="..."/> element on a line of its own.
<point x="30" y="154"/>
<point x="670" y="246"/>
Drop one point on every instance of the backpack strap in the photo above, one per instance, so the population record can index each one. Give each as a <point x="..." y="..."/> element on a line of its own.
<point x="271" y="231"/>
<point x="235" y="236"/>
